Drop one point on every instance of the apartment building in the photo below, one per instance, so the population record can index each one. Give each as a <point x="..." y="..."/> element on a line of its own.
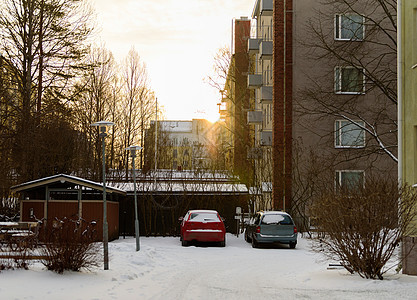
<point x="324" y="95"/>
<point x="259" y="80"/>
<point x="235" y="103"/>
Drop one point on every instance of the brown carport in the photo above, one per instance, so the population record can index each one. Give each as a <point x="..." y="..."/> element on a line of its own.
<point x="65" y="196"/>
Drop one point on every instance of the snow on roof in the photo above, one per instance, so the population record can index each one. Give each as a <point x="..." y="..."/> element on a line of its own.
<point x="185" y="175"/>
<point x="63" y="178"/>
<point x="182" y="187"/>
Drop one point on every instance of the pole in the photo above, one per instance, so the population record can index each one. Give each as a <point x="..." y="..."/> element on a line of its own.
<point x="400" y="88"/>
<point x="136" y="202"/>
<point x="105" y="225"/>
<point x="156" y="139"/>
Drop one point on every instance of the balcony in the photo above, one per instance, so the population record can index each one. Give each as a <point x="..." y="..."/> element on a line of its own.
<point x="255" y="153"/>
<point x="254" y="81"/>
<point x="253" y="46"/>
<point x="254" y="117"/>
<point x="266" y="138"/>
<point x="265" y="49"/>
<point x="266" y="94"/>
<point x="266" y="7"/>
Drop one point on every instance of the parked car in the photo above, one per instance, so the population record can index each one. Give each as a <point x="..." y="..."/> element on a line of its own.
<point x="202" y="226"/>
<point x="271" y="227"/>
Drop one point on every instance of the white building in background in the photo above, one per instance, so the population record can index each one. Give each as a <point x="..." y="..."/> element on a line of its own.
<point x="184" y="145"/>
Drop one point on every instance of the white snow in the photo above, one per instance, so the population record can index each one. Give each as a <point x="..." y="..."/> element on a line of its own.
<point x="162" y="269"/>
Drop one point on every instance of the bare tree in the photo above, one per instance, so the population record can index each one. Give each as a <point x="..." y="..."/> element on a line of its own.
<point x="42" y="45"/>
<point x="137" y="105"/>
<point x="95" y="98"/>
<point x="8" y="119"/>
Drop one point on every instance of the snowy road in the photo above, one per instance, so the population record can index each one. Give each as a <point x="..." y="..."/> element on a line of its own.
<point x="165" y="270"/>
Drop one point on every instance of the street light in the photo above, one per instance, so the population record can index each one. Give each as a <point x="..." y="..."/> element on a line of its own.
<point x="132" y="150"/>
<point x="102" y="125"/>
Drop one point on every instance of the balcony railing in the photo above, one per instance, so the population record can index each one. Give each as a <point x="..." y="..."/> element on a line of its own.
<point x="266" y="138"/>
<point x="253" y="46"/>
<point x="265" y="49"/>
<point x="266" y="94"/>
<point x="254" y="117"/>
<point x="254" y="81"/>
<point x="266" y="7"/>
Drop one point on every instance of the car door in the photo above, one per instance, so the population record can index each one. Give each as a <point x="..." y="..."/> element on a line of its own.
<point x="253" y="224"/>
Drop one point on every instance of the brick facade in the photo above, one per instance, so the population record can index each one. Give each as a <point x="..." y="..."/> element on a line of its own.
<point x="282" y="104"/>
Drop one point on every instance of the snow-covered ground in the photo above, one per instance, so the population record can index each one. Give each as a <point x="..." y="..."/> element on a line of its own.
<point x="162" y="269"/>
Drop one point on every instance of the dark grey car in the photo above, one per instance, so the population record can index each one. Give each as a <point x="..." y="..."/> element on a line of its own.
<point x="271" y="227"/>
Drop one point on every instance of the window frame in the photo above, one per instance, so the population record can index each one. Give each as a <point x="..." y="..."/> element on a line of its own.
<point x="338" y="177"/>
<point x="338" y="89"/>
<point x="338" y="126"/>
<point x="338" y="28"/>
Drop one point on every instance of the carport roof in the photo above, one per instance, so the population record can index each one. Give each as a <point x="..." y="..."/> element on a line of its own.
<point x="65" y="178"/>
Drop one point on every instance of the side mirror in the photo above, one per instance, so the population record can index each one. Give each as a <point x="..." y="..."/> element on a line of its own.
<point x="180" y="219"/>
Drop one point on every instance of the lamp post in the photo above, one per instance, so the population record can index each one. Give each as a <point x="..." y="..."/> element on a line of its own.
<point x="102" y="125"/>
<point x="132" y="150"/>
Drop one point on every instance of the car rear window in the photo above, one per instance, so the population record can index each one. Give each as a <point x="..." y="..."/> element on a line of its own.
<point x="276" y="219"/>
<point x="204" y="217"/>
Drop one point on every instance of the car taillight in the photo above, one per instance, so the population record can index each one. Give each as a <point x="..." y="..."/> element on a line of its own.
<point x="258" y="229"/>
<point x="295" y="229"/>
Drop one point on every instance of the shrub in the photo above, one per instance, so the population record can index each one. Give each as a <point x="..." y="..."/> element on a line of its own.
<point x="69" y="245"/>
<point x="362" y="227"/>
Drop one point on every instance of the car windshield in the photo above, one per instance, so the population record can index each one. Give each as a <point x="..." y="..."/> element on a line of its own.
<point x="276" y="219"/>
<point x="204" y="217"/>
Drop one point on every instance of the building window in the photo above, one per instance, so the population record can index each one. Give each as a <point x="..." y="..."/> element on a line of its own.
<point x="349" y="27"/>
<point x="349" y="80"/>
<point x="349" y="180"/>
<point x="349" y="135"/>
<point x="175" y="153"/>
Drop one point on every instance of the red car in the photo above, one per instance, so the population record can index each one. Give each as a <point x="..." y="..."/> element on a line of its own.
<point x="202" y="226"/>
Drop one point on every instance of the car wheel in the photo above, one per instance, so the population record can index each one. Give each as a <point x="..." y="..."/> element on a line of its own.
<point x="292" y="245"/>
<point x="222" y="243"/>
<point x="247" y="238"/>
<point x="184" y="243"/>
<point x="254" y="243"/>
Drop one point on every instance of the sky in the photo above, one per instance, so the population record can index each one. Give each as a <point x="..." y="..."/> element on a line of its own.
<point x="177" y="40"/>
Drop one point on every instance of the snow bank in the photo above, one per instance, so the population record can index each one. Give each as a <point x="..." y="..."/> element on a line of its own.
<point x="162" y="269"/>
